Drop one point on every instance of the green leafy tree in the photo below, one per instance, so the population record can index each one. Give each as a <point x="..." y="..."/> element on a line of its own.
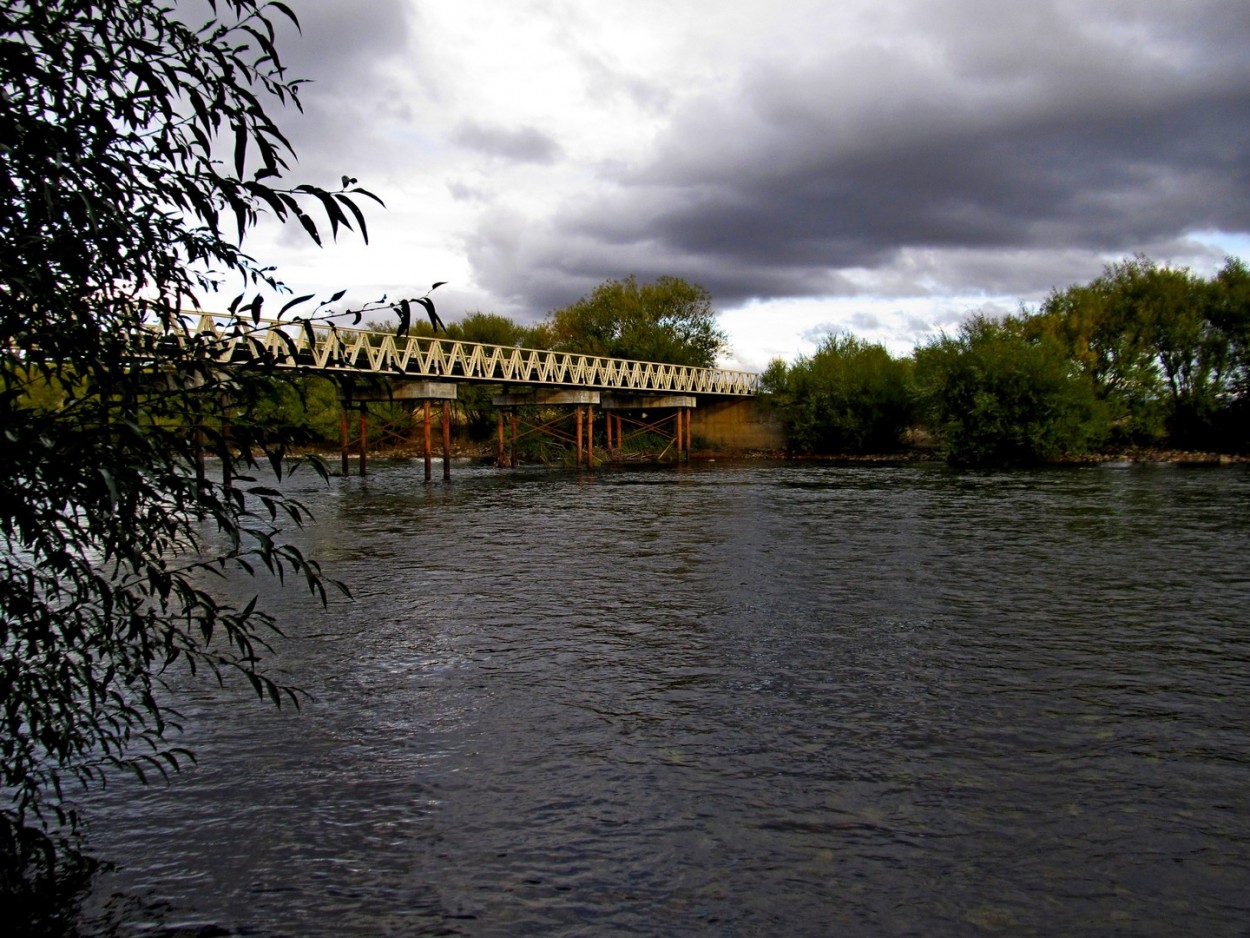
<point x="1228" y="311"/>
<point x="488" y="329"/>
<point x="1160" y="343"/>
<point x="137" y="152"/>
<point x="997" y="396"/>
<point x="304" y="411"/>
<point x="474" y="400"/>
<point x="668" y="321"/>
<point x="851" y="396"/>
<point x="1111" y="339"/>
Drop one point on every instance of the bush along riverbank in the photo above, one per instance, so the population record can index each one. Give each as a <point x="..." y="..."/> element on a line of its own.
<point x="486" y="453"/>
<point x="1144" y="363"/>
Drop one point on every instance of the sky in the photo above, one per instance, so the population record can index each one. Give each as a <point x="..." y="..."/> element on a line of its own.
<point x="883" y="168"/>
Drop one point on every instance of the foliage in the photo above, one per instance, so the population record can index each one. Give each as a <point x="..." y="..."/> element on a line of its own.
<point x="1228" y="313"/>
<point x="488" y="329"/>
<point x="115" y="211"/>
<point x="850" y="397"/>
<point x="1164" y="347"/>
<point x="997" y="396"/>
<point x="1141" y="355"/>
<point x="474" y="400"/>
<point x="1107" y="336"/>
<point x="302" y="411"/>
<point x="669" y="321"/>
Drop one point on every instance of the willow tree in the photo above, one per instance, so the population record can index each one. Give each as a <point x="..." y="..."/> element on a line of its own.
<point x="138" y="151"/>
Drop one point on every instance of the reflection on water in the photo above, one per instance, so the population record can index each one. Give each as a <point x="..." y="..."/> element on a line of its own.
<point x="733" y="699"/>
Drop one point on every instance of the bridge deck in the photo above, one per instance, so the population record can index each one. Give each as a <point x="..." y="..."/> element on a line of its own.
<point x="358" y="351"/>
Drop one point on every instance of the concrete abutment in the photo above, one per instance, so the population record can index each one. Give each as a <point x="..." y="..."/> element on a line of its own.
<point x="737" y="425"/>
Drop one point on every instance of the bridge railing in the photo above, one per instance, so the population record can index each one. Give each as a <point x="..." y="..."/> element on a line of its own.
<point x="341" y="350"/>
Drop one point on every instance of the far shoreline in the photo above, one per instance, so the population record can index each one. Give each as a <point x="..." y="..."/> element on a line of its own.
<point x="486" y="454"/>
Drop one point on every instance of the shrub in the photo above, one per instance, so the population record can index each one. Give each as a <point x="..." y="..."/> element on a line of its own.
<point x="994" y="396"/>
<point x="849" y="397"/>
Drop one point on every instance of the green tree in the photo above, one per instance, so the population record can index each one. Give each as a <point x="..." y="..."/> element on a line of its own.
<point x="851" y="396"/>
<point x="997" y="396"/>
<point x="1159" y="342"/>
<point x="1228" y="311"/>
<point x="488" y="329"/>
<point x="668" y="321"/>
<point x="474" y="400"/>
<point x="1110" y="337"/>
<point x="116" y="211"/>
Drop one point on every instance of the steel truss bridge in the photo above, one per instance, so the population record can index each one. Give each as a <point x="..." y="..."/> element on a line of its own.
<point x="381" y="354"/>
<point x="373" y="366"/>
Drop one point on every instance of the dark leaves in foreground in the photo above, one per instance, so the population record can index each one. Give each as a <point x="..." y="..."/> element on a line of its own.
<point x="116" y="214"/>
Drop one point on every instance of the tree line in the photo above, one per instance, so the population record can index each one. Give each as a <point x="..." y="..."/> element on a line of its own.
<point x="1144" y="355"/>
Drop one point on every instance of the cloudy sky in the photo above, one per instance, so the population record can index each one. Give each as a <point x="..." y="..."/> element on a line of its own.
<point x="878" y="167"/>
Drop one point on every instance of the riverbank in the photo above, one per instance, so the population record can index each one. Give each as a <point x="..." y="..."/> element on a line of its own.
<point x="1142" y="455"/>
<point x="486" y="452"/>
<point x="1148" y="455"/>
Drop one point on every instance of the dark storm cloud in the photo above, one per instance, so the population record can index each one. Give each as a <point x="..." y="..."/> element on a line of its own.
<point x="1093" y="183"/>
<point x="339" y="42"/>
<point x="537" y="266"/>
<point x="519" y="145"/>
<point x="349" y="53"/>
<point x="1003" y="138"/>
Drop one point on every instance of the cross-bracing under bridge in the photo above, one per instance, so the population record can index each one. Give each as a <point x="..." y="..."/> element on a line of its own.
<point x="648" y="397"/>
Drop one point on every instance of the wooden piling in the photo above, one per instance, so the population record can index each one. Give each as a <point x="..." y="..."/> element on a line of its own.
<point x="427" y="450"/>
<point x="345" y="440"/>
<point x="446" y="442"/>
<point x="578" y="411"/>
<point x="227" y="479"/>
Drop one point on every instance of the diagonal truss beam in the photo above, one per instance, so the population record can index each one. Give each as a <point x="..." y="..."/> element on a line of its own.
<point x="339" y="350"/>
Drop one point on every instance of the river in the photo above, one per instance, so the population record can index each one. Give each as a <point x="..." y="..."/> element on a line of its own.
<point x="731" y="699"/>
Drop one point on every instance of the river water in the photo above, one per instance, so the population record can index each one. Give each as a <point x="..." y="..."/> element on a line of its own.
<point x="731" y="699"/>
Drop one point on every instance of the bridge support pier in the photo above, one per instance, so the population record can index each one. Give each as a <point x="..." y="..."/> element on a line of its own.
<point x="427" y="448"/>
<point x="423" y="393"/>
<point x="637" y="412"/>
<point x="581" y="437"/>
<point x="506" y="453"/>
<point x="624" y="416"/>
<point x="585" y="417"/>
<point x="362" y="439"/>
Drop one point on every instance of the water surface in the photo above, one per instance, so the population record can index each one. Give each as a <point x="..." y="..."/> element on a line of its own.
<point x="731" y="699"/>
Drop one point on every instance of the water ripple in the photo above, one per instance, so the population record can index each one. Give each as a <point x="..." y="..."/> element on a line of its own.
<point x="774" y="699"/>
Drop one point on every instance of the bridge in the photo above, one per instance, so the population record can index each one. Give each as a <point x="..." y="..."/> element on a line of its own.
<point x="636" y="396"/>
